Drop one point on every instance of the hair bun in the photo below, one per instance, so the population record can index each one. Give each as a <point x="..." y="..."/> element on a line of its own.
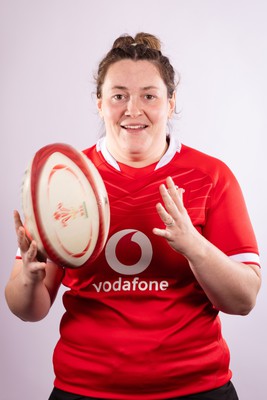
<point x="148" y="40"/>
<point x="123" y="41"/>
<point x="143" y="38"/>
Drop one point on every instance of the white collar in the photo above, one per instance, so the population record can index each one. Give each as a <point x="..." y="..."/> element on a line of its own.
<point x="174" y="147"/>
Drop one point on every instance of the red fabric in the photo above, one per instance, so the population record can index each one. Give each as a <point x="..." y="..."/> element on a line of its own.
<point x="151" y="334"/>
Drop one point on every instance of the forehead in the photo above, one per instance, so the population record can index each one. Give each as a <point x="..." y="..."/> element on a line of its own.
<point x="129" y="73"/>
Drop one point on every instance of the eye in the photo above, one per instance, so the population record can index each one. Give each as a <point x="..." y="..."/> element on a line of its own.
<point x="150" y="96"/>
<point x="118" y="97"/>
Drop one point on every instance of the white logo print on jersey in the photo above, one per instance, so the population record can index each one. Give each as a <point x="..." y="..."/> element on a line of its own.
<point x="146" y="252"/>
<point x="115" y="249"/>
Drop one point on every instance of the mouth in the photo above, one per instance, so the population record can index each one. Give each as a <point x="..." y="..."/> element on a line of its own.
<point x="134" y="127"/>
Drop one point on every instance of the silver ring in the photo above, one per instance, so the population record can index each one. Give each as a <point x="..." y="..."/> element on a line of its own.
<point x="168" y="224"/>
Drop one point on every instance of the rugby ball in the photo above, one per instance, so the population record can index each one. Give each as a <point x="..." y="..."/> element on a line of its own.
<point x="65" y="205"/>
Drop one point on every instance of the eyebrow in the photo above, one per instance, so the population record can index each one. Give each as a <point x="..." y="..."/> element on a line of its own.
<point x="125" y="88"/>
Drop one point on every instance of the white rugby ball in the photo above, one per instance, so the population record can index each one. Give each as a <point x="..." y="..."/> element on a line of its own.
<point x="65" y="205"/>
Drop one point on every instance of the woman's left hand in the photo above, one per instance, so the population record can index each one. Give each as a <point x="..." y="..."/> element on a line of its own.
<point x="179" y="231"/>
<point x="231" y="286"/>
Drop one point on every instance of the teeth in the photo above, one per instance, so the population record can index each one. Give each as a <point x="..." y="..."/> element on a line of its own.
<point x="134" y="126"/>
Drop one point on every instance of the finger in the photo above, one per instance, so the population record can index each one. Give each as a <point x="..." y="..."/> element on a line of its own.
<point x="164" y="215"/>
<point x="168" y="200"/>
<point x="166" y="218"/>
<point x="32" y="252"/>
<point x="17" y="220"/>
<point x="23" y="241"/>
<point x="171" y="185"/>
<point x="31" y="264"/>
<point x="172" y="188"/>
<point x="164" y="233"/>
<point x="179" y="198"/>
<point x="175" y="192"/>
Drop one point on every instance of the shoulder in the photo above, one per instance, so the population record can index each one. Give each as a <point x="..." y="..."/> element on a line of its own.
<point x="89" y="151"/>
<point x="206" y="160"/>
<point x="94" y="155"/>
<point x="209" y="165"/>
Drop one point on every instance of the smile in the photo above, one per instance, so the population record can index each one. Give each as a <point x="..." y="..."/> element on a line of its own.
<point x="134" y="126"/>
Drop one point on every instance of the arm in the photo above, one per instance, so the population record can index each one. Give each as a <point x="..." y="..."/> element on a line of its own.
<point x="232" y="287"/>
<point x="33" y="285"/>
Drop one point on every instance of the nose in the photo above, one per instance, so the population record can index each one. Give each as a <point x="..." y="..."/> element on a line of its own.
<point x="133" y="108"/>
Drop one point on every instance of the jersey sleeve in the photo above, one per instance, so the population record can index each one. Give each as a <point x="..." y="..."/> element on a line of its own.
<point x="18" y="254"/>
<point x="228" y="225"/>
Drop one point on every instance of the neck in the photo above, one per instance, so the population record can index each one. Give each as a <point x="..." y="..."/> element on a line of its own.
<point x="138" y="158"/>
<point x="137" y="161"/>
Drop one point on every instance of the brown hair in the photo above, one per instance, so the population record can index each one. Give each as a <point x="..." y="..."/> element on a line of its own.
<point x="143" y="46"/>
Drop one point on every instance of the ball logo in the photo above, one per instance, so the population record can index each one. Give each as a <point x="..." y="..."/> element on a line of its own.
<point x="137" y="238"/>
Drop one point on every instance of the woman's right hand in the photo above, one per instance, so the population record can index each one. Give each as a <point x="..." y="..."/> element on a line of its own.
<point x="33" y="266"/>
<point x="33" y="283"/>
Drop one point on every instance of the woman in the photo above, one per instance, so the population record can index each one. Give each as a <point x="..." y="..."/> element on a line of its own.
<point x="142" y="321"/>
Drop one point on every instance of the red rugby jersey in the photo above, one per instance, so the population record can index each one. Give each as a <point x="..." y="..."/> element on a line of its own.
<point x="137" y="323"/>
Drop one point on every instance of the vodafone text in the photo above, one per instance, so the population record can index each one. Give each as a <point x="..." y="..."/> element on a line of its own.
<point x="126" y="285"/>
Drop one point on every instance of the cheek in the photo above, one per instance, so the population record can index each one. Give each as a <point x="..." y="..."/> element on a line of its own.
<point x="159" y="115"/>
<point x="111" y="114"/>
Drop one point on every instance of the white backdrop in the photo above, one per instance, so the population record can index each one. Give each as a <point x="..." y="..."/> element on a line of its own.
<point x="49" y="51"/>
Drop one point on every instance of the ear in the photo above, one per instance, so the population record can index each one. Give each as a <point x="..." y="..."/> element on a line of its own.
<point x="172" y="102"/>
<point x="99" y="107"/>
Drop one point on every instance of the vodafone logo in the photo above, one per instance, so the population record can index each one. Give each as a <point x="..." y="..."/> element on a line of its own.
<point x="116" y="251"/>
<point x="129" y="252"/>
